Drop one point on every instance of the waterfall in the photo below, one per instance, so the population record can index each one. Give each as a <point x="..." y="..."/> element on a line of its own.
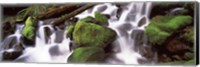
<point x="131" y="15"/>
<point x="134" y="16"/>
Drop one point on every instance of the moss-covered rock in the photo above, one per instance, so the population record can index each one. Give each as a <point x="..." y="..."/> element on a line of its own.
<point x="29" y="30"/>
<point x="87" y="54"/>
<point x="90" y="34"/>
<point x="69" y="31"/>
<point x="161" y="27"/>
<point x="102" y="19"/>
<point x="155" y="35"/>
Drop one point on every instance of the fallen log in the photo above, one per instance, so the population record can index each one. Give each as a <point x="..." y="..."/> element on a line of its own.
<point x="72" y="14"/>
<point x="63" y="9"/>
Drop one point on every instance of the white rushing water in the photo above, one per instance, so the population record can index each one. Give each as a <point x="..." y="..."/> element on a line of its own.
<point x="59" y="52"/>
<point x="131" y="14"/>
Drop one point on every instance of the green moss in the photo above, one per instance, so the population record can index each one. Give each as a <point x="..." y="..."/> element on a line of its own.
<point x="171" y="23"/>
<point x="29" y="33"/>
<point x="156" y="36"/>
<point x="102" y="19"/>
<point x="87" y="54"/>
<point x="176" y="23"/>
<point x="70" y="31"/>
<point x="30" y="22"/>
<point x="162" y="27"/>
<point x="90" y="34"/>
<point x="29" y="29"/>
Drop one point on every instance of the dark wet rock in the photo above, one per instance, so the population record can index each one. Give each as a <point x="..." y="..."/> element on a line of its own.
<point x="19" y="47"/>
<point x="8" y="29"/>
<point x="142" y="21"/>
<point x="189" y="55"/>
<point x="59" y="36"/>
<point x="177" y="57"/>
<point x="47" y="33"/>
<point x="9" y="56"/>
<point x="176" y="46"/>
<point x="27" y="42"/>
<point x="164" y="58"/>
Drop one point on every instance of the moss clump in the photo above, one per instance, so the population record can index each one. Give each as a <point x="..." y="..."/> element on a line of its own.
<point x="90" y="34"/>
<point x="162" y="27"/>
<point x="87" y="54"/>
<point x="70" y="31"/>
<point x="29" y="29"/>
<point x="156" y="35"/>
<point x="102" y="19"/>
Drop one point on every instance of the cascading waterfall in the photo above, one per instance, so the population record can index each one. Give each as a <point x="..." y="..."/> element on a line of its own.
<point x="131" y="15"/>
<point x="51" y="51"/>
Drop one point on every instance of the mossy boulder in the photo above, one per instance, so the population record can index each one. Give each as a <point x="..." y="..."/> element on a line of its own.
<point x="102" y="19"/>
<point x="91" y="34"/>
<point x="87" y="55"/>
<point x="29" y="30"/>
<point x="162" y="27"/>
<point x="69" y="31"/>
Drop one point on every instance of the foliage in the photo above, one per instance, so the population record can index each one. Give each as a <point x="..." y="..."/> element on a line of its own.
<point x="33" y="10"/>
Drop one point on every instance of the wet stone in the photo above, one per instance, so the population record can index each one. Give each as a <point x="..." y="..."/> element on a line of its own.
<point x="9" y="56"/>
<point x="47" y="33"/>
<point x="59" y="36"/>
<point x="142" y="22"/>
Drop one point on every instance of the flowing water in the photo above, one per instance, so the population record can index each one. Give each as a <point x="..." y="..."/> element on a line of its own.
<point x="124" y="22"/>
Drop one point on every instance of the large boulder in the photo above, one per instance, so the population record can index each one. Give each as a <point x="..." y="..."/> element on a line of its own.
<point x="91" y="34"/>
<point x="87" y="55"/>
